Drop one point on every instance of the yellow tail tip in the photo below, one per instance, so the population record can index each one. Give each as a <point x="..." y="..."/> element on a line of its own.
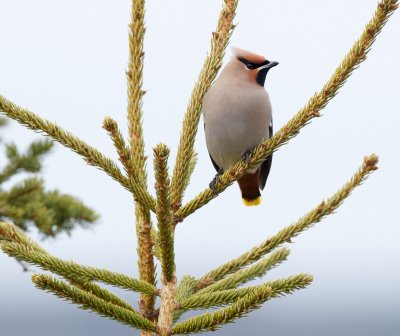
<point x="253" y="202"/>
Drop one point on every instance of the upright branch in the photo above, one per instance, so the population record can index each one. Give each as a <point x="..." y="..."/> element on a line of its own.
<point x="192" y="165"/>
<point x="135" y="92"/>
<point x="137" y="156"/>
<point x="125" y="157"/>
<point x="164" y="214"/>
<point x="211" y="65"/>
<point x="166" y="240"/>
<point x="323" y="209"/>
<point x="352" y="60"/>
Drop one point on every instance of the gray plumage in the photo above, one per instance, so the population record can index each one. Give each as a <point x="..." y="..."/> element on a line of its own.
<point x="237" y="112"/>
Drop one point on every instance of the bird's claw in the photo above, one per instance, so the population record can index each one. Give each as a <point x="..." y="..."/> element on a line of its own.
<point x="214" y="182"/>
<point x="247" y="156"/>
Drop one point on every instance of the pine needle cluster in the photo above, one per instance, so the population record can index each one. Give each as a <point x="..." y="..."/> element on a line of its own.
<point x="27" y="202"/>
<point x="223" y="288"/>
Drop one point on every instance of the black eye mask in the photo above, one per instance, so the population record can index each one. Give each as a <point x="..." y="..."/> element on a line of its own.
<point x="250" y="65"/>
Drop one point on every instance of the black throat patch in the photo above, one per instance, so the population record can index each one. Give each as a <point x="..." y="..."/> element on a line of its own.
<point x="262" y="74"/>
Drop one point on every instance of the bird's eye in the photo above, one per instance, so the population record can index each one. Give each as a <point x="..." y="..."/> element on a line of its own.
<point x="249" y="66"/>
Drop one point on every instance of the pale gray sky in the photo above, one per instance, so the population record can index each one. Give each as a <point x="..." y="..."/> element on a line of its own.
<point x="66" y="62"/>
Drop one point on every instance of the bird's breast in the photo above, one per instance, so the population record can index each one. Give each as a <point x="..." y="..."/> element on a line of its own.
<point x="236" y="120"/>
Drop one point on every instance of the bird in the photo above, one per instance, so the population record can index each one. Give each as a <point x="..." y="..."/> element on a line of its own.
<point x="237" y="117"/>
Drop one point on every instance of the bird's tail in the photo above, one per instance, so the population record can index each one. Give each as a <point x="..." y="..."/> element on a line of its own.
<point x="250" y="189"/>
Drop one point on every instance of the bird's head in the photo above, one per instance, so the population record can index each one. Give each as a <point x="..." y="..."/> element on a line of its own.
<point x="254" y="66"/>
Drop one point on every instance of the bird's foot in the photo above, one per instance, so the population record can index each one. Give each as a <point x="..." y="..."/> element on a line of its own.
<point x="247" y="156"/>
<point x="214" y="182"/>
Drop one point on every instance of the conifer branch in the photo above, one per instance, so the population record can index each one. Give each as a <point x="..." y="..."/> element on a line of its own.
<point x="165" y="240"/>
<point x="219" y="298"/>
<point x="192" y="165"/>
<point x="72" y="270"/>
<point x="19" y="191"/>
<point x="91" y="155"/>
<point x="11" y="233"/>
<point x="285" y="235"/>
<point x="28" y="162"/>
<point x="211" y="65"/>
<point x="212" y="321"/>
<point x="135" y="93"/>
<point x="88" y="301"/>
<point x="156" y="244"/>
<point x="185" y="289"/>
<point x="147" y="270"/>
<point x="164" y="213"/>
<point x="287" y="285"/>
<point x="101" y="293"/>
<point x="27" y="202"/>
<point x="50" y="211"/>
<point x="352" y="60"/>
<point x="244" y="275"/>
<point x="138" y="159"/>
<point x="111" y="126"/>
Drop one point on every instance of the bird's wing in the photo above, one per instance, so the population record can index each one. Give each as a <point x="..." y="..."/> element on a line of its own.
<point x="212" y="160"/>
<point x="214" y="163"/>
<point x="266" y="165"/>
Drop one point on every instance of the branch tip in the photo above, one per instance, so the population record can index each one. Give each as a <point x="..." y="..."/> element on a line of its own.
<point x="371" y="162"/>
<point x="109" y="124"/>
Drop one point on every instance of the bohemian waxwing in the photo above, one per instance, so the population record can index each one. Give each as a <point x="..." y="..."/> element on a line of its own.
<point x="238" y="117"/>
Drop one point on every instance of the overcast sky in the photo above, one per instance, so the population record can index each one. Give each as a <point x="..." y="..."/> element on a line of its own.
<point x="66" y="62"/>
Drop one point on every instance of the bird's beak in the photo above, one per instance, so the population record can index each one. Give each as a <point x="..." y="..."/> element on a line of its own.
<point x="269" y="65"/>
<point x="263" y="71"/>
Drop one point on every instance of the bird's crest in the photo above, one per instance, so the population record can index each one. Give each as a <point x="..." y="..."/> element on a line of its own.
<point x="247" y="55"/>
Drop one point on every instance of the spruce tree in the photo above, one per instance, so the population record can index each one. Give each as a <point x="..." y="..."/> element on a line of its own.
<point x="220" y="288"/>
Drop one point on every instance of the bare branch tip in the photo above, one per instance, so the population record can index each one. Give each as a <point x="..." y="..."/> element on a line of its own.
<point x="285" y="251"/>
<point x="35" y="278"/>
<point x="161" y="150"/>
<point x="108" y="124"/>
<point x="371" y="162"/>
